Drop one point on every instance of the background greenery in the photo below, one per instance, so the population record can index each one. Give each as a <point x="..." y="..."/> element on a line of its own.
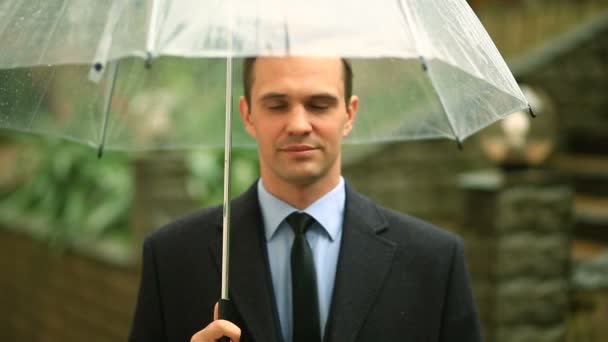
<point x="61" y="191"/>
<point x="65" y="194"/>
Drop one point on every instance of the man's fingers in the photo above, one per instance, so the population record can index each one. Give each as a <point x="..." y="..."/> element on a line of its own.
<point x="216" y="330"/>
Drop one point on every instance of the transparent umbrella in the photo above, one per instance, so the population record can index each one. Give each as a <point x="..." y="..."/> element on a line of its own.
<point x="75" y="69"/>
<point x="424" y="69"/>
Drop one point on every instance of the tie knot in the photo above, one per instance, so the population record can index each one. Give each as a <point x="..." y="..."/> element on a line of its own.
<point x="299" y="222"/>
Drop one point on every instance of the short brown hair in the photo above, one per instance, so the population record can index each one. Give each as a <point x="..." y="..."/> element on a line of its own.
<point x="248" y="64"/>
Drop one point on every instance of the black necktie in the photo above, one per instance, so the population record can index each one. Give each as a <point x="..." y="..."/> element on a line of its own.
<point x="306" y="327"/>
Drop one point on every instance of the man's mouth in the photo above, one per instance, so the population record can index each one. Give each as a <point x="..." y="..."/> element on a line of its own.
<point x="298" y="148"/>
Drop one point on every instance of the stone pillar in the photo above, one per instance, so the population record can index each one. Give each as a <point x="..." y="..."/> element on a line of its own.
<point x="517" y="234"/>
<point x="160" y="193"/>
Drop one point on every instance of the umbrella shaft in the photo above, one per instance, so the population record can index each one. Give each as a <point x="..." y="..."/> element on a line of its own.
<point x="107" y="108"/>
<point x="227" y="178"/>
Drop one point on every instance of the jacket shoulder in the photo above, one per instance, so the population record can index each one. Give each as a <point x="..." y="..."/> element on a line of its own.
<point x="411" y="225"/>
<point x="428" y="250"/>
<point x="401" y="227"/>
<point x="413" y="236"/>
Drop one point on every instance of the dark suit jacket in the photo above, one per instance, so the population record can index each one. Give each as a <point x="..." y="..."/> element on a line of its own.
<point x="398" y="278"/>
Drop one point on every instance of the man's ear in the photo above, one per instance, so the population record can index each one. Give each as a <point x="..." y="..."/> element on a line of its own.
<point x="246" y="116"/>
<point x="351" y="114"/>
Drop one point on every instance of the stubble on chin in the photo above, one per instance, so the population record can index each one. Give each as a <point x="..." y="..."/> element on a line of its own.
<point x="307" y="172"/>
<point x="299" y="173"/>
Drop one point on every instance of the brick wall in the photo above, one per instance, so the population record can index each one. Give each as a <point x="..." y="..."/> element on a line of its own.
<point x="48" y="295"/>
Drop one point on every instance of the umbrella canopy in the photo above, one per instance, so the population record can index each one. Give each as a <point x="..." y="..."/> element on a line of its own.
<point x="423" y="69"/>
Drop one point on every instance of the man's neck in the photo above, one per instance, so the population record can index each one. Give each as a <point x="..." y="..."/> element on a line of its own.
<point x="301" y="196"/>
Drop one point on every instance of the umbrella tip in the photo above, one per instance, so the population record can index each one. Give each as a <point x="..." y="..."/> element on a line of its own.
<point x="531" y="112"/>
<point x="459" y="143"/>
<point x="425" y="67"/>
<point x="148" y="62"/>
<point x="100" y="151"/>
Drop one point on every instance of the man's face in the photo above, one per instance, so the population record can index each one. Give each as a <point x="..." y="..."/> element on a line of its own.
<point x="298" y="116"/>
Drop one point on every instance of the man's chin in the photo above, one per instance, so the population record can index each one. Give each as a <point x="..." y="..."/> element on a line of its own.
<point x="302" y="177"/>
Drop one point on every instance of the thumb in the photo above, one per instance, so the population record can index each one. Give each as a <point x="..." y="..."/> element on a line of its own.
<point x="215" y="312"/>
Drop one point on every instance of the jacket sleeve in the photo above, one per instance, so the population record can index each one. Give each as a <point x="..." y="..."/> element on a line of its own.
<point x="460" y="321"/>
<point x="148" y="323"/>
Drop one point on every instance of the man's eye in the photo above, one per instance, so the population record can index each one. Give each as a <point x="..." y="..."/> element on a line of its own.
<point x="280" y="106"/>
<point x="318" y="106"/>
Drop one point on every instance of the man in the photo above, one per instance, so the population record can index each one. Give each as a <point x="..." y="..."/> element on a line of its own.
<point x="377" y="276"/>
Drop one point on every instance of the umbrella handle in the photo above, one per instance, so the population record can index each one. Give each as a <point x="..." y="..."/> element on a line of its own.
<point x="226" y="311"/>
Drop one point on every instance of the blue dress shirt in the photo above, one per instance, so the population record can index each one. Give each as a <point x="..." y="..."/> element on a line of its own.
<point x="324" y="237"/>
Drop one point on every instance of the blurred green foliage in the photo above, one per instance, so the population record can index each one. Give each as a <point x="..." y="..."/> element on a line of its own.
<point x="207" y="174"/>
<point x="70" y="194"/>
<point x="67" y="197"/>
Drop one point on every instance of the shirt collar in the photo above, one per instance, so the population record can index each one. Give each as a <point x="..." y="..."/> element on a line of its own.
<point x="327" y="210"/>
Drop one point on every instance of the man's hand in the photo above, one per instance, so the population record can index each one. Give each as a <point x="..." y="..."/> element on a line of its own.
<point x="217" y="329"/>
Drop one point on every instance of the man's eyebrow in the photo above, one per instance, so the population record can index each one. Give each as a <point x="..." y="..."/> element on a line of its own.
<point x="281" y="96"/>
<point x="272" y="95"/>
<point x="324" y="96"/>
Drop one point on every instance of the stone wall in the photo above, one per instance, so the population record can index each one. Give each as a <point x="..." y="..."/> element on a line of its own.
<point x="417" y="178"/>
<point x="51" y="296"/>
<point x="518" y="248"/>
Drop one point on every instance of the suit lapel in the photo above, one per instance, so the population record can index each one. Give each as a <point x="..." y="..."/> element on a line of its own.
<point x="250" y="285"/>
<point x="364" y="262"/>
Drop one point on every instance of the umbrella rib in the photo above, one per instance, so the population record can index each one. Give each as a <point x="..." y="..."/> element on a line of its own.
<point x="40" y="99"/>
<point x="52" y="32"/>
<point x="425" y="68"/>
<point x="287" y="42"/>
<point x="151" y="41"/>
<point x="107" y="107"/>
<point x="105" y="44"/>
<point x="16" y="6"/>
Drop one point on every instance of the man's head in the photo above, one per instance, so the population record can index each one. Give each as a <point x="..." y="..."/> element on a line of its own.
<point x="298" y="114"/>
<point x="248" y="78"/>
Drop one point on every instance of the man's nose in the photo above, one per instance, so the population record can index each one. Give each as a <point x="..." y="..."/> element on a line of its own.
<point x="299" y="121"/>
